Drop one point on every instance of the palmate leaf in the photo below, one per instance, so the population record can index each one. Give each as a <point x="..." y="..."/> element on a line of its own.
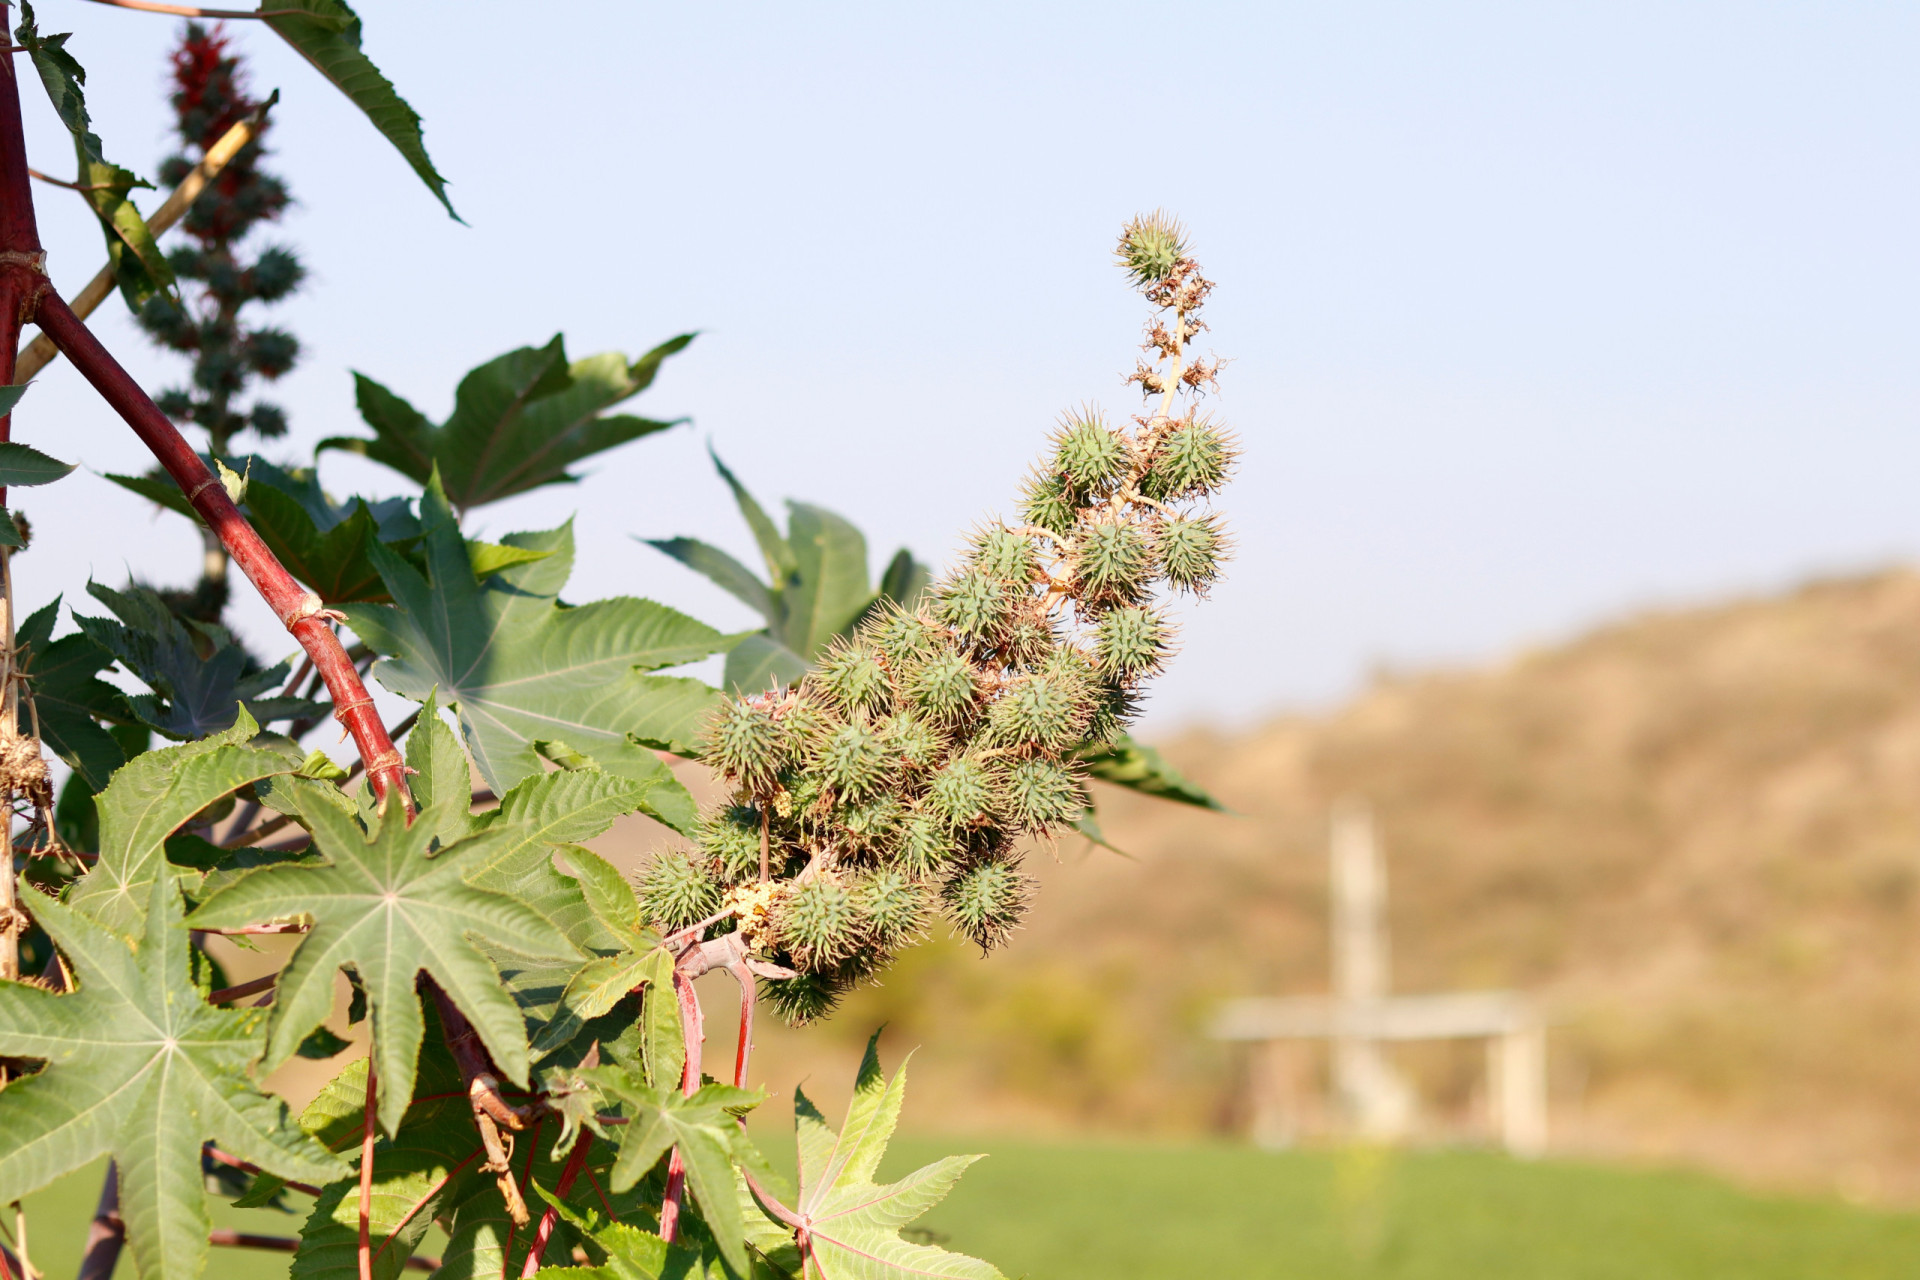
<point x="852" y="1223"/>
<point x="519" y="421"/>
<point x="386" y="908"/>
<point x="69" y="699"/>
<point x="148" y="800"/>
<point x="522" y="668"/>
<point x="327" y="34"/>
<point x="638" y="960"/>
<point x="141" y="1068"/>
<point x="194" y="693"/>
<point x="633" y="1254"/>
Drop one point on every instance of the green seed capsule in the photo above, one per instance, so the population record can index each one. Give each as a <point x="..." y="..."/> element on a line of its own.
<point x="1189" y="549"/>
<point x="676" y="890"/>
<point x="976" y="604"/>
<point x="870" y="824"/>
<point x="1028" y="641"/>
<point x="1130" y="643"/>
<point x="1113" y="560"/>
<point x="1150" y="248"/>
<point x="961" y="793"/>
<point x="905" y="638"/>
<point x="942" y="689"/>
<point x="1048" y="502"/>
<point x="985" y="902"/>
<point x="854" y="761"/>
<point x="1192" y="460"/>
<point x="1039" y="795"/>
<point x="1004" y="554"/>
<point x="817" y="922"/>
<point x="1040" y="712"/>
<point x="1114" y="707"/>
<point x="912" y="741"/>
<point x="746" y="744"/>
<point x="1089" y="456"/>
<point x="730" y="839"/>
<point x="852" y="679"/>
<point x="811" y="996"/>
<point x="925" y="845"/>
<point x="895" y="908"/>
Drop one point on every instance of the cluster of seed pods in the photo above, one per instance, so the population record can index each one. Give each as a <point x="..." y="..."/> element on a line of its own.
<point x="904" y="777"/>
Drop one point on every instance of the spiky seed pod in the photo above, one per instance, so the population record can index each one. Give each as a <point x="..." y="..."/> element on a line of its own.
<point x="1190" y="549"/>
<point x="1040" y="712"/>
<point x="913" y="742"/>
<point x="976" y="604"/>
<point x="894" y="907"/>
<point x="1039" y="795"/>
<point x="746" y="744"/>
<point x="904" y="639"/>
<point x="925" y="845"/>
<point x="1088" y="455"/>
<point x="985" y="902"/>
<point x="943" y="689"/>
<point x="804" y="724"/>
<point x="1150" y="247"/>
<point x="1112" y="560"/>
<point x="1072" y="667"/>
<point x="676" y="890"/>
<point x="871" y="824"/>
<point x="854" y="761"/>
<point x="817" y="922"/>
<point x="730" y="839"/>
<point x="1030" y="639"/>
<point x="1130" y="643"/>
<point x="1005" y="554"/>
<point x="961" y="793"/>
<point x="851" y="678"/>
<point x="1047" y="502"/>
<point x="811" y="996"/>
<point x="1114" y="707"/>
<point x="1192" y="460"/>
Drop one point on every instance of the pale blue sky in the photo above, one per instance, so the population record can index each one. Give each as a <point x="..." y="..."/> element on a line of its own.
<point x="1538" y="313"/>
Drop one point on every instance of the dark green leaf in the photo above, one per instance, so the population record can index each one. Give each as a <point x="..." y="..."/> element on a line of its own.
<point x="157" y="490"/>
<point x="22" y="465"/>
<point x="781" y="561"/>
<point x="519" y="421"/>
<point x="139" y="1067"/>
<point x="327" y="34"/>
<point x="830" y="590"/>
<point x="335" y="563"/>
<point x="723" y="571"/>
<point x="905" y="580"/>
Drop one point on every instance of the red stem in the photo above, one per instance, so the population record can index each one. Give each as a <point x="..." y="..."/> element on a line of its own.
<point x="247" y="1166"/>
<point x="533" y="1150"/>
<point x="290" y="1244"/>
<point x="548" y="1220"/>
<point x="693" y="1034"/>
<point x="366" y="1174"/>
<point x="296" y="607"/>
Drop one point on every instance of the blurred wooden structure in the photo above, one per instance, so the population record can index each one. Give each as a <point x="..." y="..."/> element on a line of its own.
<point x="1374" y="1101"/>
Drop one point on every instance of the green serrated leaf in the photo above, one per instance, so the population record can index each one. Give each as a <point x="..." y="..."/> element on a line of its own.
<point x="1139" y="767"/>
<point x="147" y="801"/>
<point x="22" y="465"/>
<point x="160" y="492"/>
<point x="519" y="666"/>
<point x="831" y="590"/>
<point x="759" y="662"/>
<point x="327" y="34"/>
<point x="442" y="778"/>
<point x="852" y="1223"/>
<point x="519" y="421"/>
<point x="140" y="1068"/>
<point x="382" y="905"/>
<point x="70" y="699"/>
<point x="723" y="571"/>
<point x="489" y="558"/>
<point x="335" y="562"/>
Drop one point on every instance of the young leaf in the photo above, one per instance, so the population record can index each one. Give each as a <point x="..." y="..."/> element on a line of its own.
<point x="701" y="1126"/>
<point x="519" y="421"/>
<point x="519" y="666"/>
<point x="384" y="906"/>
<point x="22" y="465"/>
<point x="139" y="1067"/>
<point x="327" y="34"/>
<point x="193" y="694"/>
<point x="639" y="961"/>
<point x="633" y="1254"/>
<point x="147" y="801"/>
<point x="852" y="1224"/>
<point x="69" y="698"/>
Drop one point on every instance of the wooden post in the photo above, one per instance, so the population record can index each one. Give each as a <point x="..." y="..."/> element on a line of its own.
<point x="1377" y="1102"/>
<point x="1517" y="1071"/>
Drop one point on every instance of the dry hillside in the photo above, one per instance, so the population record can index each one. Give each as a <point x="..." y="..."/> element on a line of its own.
<point x="1696" y="834"/>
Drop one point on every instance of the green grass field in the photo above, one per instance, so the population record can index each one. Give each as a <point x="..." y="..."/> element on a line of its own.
<point x="1124" y="1211"/>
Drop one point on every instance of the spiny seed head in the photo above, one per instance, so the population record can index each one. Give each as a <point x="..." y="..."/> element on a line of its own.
<point x="871" y="823"/>
<point x="1047" y="502"/>
<point x="730" y="839"/>
<point x="676" y="890"/>
<point x="1088" y="455"/>
<point x="817" y="921"/>
<point x="895" y="908"/>
<point x="745" y="743"/>
<point x="1190" y="549"/>
<point x="1038" y="712"/>
<point x="1114" y="707"/>
<point x="961" y="793"/>
<point x="1040" y="795"/>
<point x="1191" y="460"/>
<point x="804" y="722"/>
<point x="1113" y="559"/>
<point x="811" y="996"/>
<point x="1005" y="554"/>
<point x="925" y="845"/>
<point x="985" y="902"/>
<point x="942" y="688"/>
<point x="912" y="741"/>
<point x="1029" y="640"/>
<point x="852" y="679"/>
<point x="905" y="638"/>
<point x="1130" y="643"/>
<point x="853" y="761"/>
<point x="1150" y="247"/>
<point x="1072" y="668"/>
<point x="976" y="604"/>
